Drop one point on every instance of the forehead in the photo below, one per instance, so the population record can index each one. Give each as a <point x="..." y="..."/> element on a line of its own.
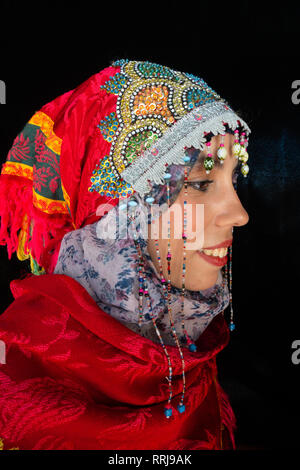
<point x="213" y="149"/>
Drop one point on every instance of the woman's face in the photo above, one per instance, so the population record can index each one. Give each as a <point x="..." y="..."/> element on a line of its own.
<point x="212" y="195"/>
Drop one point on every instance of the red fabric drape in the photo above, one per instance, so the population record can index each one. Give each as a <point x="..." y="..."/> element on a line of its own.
<point x="76" y="378"/>
<point x="45" y="179"/>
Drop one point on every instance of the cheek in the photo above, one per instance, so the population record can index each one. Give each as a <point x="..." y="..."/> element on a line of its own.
<point x="196" y="223"/>
<point x="202" y="215"/>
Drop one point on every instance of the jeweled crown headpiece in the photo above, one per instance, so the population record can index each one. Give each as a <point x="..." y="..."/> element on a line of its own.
<point x="158" y="113"/>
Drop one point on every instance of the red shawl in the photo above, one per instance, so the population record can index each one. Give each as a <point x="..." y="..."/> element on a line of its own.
<point x="76" y="378"/>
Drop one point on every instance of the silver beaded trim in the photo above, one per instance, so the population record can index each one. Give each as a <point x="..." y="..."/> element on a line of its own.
<point x="169" y="149"/>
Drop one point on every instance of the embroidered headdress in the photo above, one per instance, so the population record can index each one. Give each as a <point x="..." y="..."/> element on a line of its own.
<point x="159" y="112"/>
<point x="113" y="135"/>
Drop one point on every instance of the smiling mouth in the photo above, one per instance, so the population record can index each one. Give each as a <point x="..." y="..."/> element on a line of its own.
<point x="217" y="252"/>
<point x="218" y="257"/>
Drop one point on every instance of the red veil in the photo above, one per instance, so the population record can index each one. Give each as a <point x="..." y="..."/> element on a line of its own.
<point x="76" y="378"/>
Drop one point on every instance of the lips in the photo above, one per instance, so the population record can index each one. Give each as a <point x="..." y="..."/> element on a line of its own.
<point x="216" y="260"/>
<point x="224" y="244"/>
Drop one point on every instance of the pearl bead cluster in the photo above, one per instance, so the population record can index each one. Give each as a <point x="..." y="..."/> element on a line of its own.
<point x="222" y="152"/>
<point x="243" y="155"/>
<point x="209" y="161"/>
<point x="238" y="150"/>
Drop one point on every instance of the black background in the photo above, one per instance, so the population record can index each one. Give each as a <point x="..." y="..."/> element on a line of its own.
<point x="250" y="57"/>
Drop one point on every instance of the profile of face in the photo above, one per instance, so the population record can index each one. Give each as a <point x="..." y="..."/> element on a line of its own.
<point x="212" y="195"/>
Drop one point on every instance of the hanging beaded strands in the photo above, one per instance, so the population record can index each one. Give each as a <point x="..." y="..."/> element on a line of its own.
<point x="156" y="114"/>
<point x="166" y="284"/>
<point x="192" y="347"/>
<point x="167" y="291"/>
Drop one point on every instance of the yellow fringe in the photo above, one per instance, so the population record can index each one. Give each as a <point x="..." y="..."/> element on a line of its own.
<point x="21" y="254"/>
<point x="22" y="237"/>
<point x="2" y="446"/>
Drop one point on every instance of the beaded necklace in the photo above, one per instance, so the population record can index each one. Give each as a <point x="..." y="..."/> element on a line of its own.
<point x="143" y="291"/>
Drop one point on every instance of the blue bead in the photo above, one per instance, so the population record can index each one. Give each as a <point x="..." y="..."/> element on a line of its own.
<point x="192" y="347"/>
<point x="186" y="159"/>
<point x="232" y="326"/>
<point x="149" y="199"/>
<point x="132" y="203"/>
<point x="167" y="176"/>
<point x="168" y="412"/>
<point x="181" y="408"/>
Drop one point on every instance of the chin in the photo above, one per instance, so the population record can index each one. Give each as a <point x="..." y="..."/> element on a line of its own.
<point x="205" y="281"/>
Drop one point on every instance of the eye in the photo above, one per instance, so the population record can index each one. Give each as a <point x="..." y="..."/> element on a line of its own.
<point x="200" y="185"/>
<point x="236" y="173"/>
<point x="235" y="176"/>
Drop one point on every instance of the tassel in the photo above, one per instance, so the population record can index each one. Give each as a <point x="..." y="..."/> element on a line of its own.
<point x="27" y="230"/>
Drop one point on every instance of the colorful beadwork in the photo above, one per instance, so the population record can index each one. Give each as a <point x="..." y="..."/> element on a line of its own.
<point x="194" y="98"/>
<point x="151" y="98"/>
<point x="222" y="152"/>
<point x="236" y="146"/>
<point x="109" y="185"/>
<point x="231" y="325"/>
<point x="150" y="70"/>
<point x="115" y="84"/>
<point x="109" y="126"/>
<point x="209" y="161"/>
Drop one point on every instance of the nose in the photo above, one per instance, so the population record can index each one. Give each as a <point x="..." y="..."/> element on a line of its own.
<point x="231" y="213"/>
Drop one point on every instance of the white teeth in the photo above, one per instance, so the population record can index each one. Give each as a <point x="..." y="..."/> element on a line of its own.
<point x="220" y="252"/>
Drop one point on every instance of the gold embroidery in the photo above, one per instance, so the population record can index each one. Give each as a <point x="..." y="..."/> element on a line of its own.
<point x="17" y="169"/>
<point x="2" y="446"/>
<point x="35" y="268"/>
<point x="22" y="237"/>
<point x="66" y="196"/>
<point x="49" y="205"/>
<point x="45" y="123"/>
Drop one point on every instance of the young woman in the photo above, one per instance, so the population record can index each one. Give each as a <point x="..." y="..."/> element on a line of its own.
<point x="122" y="195"/>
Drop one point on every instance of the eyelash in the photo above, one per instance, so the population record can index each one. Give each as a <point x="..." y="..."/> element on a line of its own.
<point x="203" y="190"/>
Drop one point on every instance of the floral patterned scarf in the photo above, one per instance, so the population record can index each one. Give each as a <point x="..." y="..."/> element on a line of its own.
<point x="108" y="269"/>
